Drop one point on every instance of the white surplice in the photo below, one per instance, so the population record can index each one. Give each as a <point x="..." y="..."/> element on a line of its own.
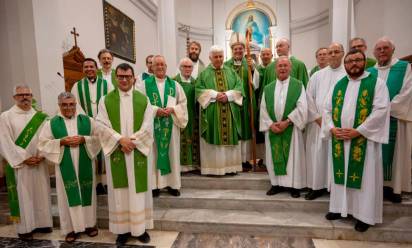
<point x="296" y="167"/>
<point x="316" y="149"/>
<point x="76" y="218"/>
<point x="128" y="211"/>
<point x="33" y="182"/>
<point x="180" y="118"/>
<point x="401" y="108"/>
<point x="365" y="204"/>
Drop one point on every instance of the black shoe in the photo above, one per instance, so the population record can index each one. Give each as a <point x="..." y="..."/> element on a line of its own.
<point x="387" y="192"/>
<point x="122" y="238"/>
<point x="173" y="192"/>
<point x="231" y="173"/>
<point x="25" y="236"/>
<point x="274" y="190"/>
<point x="361" y="226"/>
<point x="43" y="230"/>
<point x="396" y="198"/>
<point x="313" y="194"/>
<point x="144" y="238"/>
<point x="295" y="193"/>
<point x="333" y="216"/>
<point x="156" y="193"/>
<point x="260" y="163"/>
<point x="246" y="166"/>
<point x="100" y="190"/>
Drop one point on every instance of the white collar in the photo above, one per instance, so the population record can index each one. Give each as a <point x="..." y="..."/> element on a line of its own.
<point x="364" y="75"/>
<point x="284" y="81"/>
<point x="127" y="93"/>
<point x="393" y="61"/>
<point x="16" y="109"/>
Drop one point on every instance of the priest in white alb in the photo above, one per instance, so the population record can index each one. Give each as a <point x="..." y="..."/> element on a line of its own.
<point x="69" y="140"/>
<point x="169" y="104"/>
<point x="397" y="153"/>
<point x="27" y="176"/>
<point x="126" y="136"/>
<point x="283" y="116"/>
<point x="356" y="124"/>
<point x="316" y="149"/>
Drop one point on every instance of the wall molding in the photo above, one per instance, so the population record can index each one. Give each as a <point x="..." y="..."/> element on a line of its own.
<point x="200" y="32"/>
<point x="309" y="23"/>
<point x="149" y="8"/>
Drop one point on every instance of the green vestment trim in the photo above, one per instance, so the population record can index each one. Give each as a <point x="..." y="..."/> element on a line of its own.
<point x="23" y="140"/>
<point x="117" y="159"/>
<point x="280" y="143"/>
<point x="314" y="69"/>
<point x="163" y="126"/>
<point x="113" y="75"/>
<point x="75" y="197"/>
<point x="358" y="145"/>
<point x="145" y="76"/>
<point x="370" y="62"/>
<point x="85" y="101"/>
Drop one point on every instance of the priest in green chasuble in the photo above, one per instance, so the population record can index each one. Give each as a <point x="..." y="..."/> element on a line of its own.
<point x="283" y="116"/>
<point x="219" y="91"/>
<point x="69" y="140"/>
<point x="240" y="64"/>
<point x="169" y="103"/>
<point x="27" y="175"/>
<point x="360" y="44"/>
<point x="126" y="136"/>
<point x="189" y="136"/>
<point x="356" y="124"/>
<point x="107" y="72"/>
<point x="396" y="154"/>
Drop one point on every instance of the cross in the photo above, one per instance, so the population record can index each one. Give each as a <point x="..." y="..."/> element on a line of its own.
<point x="354" y="177"/>
<point x="74" y="34"/>
<point x="339" y="173"/>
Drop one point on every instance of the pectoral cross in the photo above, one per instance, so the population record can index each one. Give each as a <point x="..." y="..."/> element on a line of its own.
<point x="354" y="177"/>
<point x="339" y="173"/>
<point x="74" y="34"/>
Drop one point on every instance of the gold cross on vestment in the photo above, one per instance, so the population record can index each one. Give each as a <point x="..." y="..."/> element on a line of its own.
<point x="354" y="177"/>
<point x="339" y="173"/>
<point x="75" y="34"/>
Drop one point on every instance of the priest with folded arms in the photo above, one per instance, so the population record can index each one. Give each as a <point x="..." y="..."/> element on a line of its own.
<point x="69" y="140"/>
<point x="356" y="124"/>
<point x="169" y="103"/>
<point x="27" y="176"/>
<point x="283" y="116"/>
<point x="126" y="136"/>
<point x="316" y="148"/>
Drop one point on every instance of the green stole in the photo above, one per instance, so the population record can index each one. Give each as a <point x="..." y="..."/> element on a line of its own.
<point x="280" y="143"/>
<point x="75" y="197"/>
<point x="23" y="140"/>
<point x="163" y="126"/>
<point x="187" y="139"/>
<point x="145" y="76"/>
<point x="314" y="69"/>
<point x="113" y="75"/>
<point x="394" y="84"/>
<point x="370" y="63"/>
<point x="117" y="159"/>
<point x="358" y="145"/>
<point x="85" y="102"/>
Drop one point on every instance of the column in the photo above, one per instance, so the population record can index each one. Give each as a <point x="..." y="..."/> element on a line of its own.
<point x="342" y="20"/>
<point x="167" y="34"/>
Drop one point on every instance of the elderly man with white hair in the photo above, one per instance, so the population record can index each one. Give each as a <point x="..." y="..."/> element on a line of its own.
<point x="397" y="154"/>
<point x="219" y="92"/>
<point x="27" y="175"/>
<point x="189" y="136"/>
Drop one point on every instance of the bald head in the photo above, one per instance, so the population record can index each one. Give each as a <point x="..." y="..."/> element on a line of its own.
<point x="283" y="47"/>
<point x="266" y="56"/>
<point x="335" y="53"/>
<point x="383" y="51"/>
<point x="283" y="67"/>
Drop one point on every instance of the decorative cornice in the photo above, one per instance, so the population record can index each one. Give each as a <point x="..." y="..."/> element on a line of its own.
<point x="194" y="31"/>
<point x="309" y="23"/>
<point x="148" y="7"/>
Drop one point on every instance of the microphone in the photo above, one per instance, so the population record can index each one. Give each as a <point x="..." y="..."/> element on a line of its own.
<point x="60" y="75"/>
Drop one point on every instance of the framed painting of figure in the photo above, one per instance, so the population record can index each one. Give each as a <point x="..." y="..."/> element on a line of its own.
<point x="119" y="31"/>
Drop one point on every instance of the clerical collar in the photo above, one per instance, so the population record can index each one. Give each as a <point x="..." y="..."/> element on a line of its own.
<point x="158" y="80"/>
<point x="237" y="62"/>
<point x="284" y="81"/>
<point x="92" y="80"/>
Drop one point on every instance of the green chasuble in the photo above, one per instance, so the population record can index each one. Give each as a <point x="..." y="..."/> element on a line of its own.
<point x="220" y="122"/>
<point x="370" y="62"/>
<point x="260" y="137"/>
<point x="298" y="71"/>
<point x="280" y="143"/>
<point x="357" y="150"/>
<point x="84" y="179"/>
<point x="242" y="72"/>
<point x="23" y="140"/>
<point x="84" y="93"/>
<point x="113" y="75"/>
<point x="163" y="126"/>
<point x="189" y="136"/>
<point x="117" y="159"/>
<point x="394" y="84"/>
<point x="314" y="69"/>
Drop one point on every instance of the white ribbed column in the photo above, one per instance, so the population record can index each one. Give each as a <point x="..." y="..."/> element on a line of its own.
<point x="167" y="33"/>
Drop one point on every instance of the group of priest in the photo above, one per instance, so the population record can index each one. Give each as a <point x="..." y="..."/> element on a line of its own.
<point x="347" y="129"/>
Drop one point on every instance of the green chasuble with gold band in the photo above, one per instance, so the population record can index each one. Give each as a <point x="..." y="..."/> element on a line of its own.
<point x="162" y="126"/>
<point x="220" y="122"/>
<point x="242" y="72"/>
<point x="84" y="93"/>
<point x="117" y="159"/>
<point x="84" y="179"/>
<point x="394" y="84"/>
<point x="189" y="136"/>
<point x="113" y="76"/>
<point x="23" y="140"/>
<point x="280" y="143"/>
<point x="298" y="71"/>
<point x="357" y="150"/>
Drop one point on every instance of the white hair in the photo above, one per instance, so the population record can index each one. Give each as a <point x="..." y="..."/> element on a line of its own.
<point x="215" y="49"/>
<point x="64" y="95"/>
<point x="284" y="57"/>
<point x="283" y="39"/>
<point x="20" y="86"/>
<point x="385" y="39"/>
<point x="185" y="59"/>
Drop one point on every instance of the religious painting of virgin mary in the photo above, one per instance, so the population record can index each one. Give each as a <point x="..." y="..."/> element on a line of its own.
<point x="258" y="22"/>
<point x="119" y="33"/>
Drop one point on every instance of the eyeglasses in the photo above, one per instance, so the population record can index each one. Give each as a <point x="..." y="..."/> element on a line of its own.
<point x="124" y="77"/>
<point x="350" y="61"/>
<point x="67" y="105"/>
<point x="23" y="95"/>
<point x="187" y="66"/>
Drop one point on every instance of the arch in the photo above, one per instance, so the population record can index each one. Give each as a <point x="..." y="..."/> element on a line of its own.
<point x="243" y="7"/>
